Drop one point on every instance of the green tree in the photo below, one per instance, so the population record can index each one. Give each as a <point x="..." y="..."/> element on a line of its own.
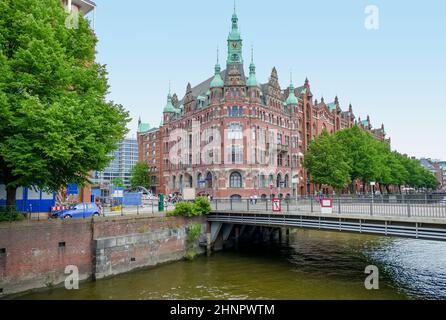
<point x="117" y="182"/>
<point x="326" y="162"/>
<point x="141" y="175"/>
<point x="362" y="154"/>
<point x="55" y="123"/>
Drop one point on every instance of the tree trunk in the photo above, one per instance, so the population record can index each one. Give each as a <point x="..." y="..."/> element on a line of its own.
<point x="10" y="196"/>
<point x="388" y="189"/>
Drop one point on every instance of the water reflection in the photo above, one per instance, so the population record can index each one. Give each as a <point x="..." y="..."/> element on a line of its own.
<point x="312" y="265"/>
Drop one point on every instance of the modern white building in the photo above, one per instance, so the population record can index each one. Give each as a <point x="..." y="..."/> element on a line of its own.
<point x="125" y="158"/>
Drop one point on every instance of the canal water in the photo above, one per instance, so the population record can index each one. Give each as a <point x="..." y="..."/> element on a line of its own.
<point x="311" y="265"/>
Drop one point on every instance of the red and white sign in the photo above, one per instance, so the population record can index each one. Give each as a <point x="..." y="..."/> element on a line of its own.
<point x="326" y="205"/>
<point x="59" y="208"/>
<point x="277" y="205"/>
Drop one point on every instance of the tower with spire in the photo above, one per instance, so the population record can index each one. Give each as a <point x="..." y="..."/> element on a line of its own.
<point x="291" y="100"/>
<point x="234" y="61"/>
<point x="235" y="42"/>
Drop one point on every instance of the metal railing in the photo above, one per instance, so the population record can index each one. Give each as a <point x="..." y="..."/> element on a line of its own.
<point x="109" y="208"/>
<point x="341" y="205"/>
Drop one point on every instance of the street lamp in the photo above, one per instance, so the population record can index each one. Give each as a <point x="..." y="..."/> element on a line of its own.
<point x="372" y="184"/>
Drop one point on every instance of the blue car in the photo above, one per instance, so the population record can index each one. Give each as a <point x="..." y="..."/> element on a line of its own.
<point x="80" y="210"/>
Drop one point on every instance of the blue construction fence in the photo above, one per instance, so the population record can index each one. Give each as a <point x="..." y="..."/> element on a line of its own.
<point x="129" y="199"/>
<point x="30" y="199"/>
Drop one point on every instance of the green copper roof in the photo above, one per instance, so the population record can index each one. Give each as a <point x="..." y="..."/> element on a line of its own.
<point x="291" y="96"/>
<point x="252" y="80"/>
<point x="217" y="82"/>
<point x="143" y="127"/>
<point x="169" y="108"/>
<point x="331" y="106"/>
<point x="235" y="32"/>
<point x="365" y="123"/>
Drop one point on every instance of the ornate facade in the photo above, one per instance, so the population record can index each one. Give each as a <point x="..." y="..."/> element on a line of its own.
<point x="232" y="136"/>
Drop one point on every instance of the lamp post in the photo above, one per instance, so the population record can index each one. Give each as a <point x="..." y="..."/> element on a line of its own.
<point x="372" y="184"/>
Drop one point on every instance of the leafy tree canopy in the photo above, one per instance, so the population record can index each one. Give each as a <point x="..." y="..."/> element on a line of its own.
<point x="353" y="154"/>
<point x="55" y="123"/>
<point x="140" y="176"/>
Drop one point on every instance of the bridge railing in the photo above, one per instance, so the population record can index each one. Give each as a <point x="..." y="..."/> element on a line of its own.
<point x="429" y="208"/>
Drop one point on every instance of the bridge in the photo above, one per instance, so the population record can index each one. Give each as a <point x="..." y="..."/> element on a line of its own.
<point x="419" y="219"/>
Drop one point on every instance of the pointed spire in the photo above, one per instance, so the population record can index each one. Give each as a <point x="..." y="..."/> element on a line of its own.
<point x="291" y="95"/>
<point x="252" y="80"/>
<point x="350" y="108"/>
<point x="307" y="83"/>
<point x="139" y="121"/>
<point x="336" y="100"/>
<point x="322" y="99"/>
<point x="274" y="73"/>
<point x="169" y="108"/>
<point x="217" y="82"/>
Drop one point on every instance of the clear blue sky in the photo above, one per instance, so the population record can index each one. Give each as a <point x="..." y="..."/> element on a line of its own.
<point x="396" y="74"/>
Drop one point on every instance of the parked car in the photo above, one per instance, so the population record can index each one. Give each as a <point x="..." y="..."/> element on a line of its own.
<point x="80" y="210"/>
<point x="443" y="201"/>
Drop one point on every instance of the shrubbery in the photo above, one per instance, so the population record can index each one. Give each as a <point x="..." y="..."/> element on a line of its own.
<point x="201" y="206"/>
<point x="8" y="214"/>
<point x="193" y="233"/>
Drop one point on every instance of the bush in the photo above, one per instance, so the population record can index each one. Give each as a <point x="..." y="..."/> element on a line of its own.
<point x="193" y="233"/>
<point x="10" y="214"/>
<point x="183" y="209"/>
<point x="201" y="206"/>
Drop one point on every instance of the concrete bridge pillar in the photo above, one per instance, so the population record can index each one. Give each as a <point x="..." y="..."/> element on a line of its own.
<point x="237" y="236"/>
<point x="208" y="239"/>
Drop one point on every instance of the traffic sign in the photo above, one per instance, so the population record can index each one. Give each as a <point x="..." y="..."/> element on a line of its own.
<point x="326" y="205"/>
<point x="277" y="205"/>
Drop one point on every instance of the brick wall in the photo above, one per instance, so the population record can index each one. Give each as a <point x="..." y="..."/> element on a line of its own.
<point x="35" y="254"/>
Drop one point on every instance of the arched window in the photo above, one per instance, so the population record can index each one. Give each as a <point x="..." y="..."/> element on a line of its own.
<point x="271" y="180"/>
<point x="262" y="181"/>
<point x="240" y="112"/>
<point x="181" y="182"/>
<point x="209" y="180"/>
<point x="279" y="180"/>
<point x="174" y="182"/>
<point x="199" y="184"/>
<point x="235" y="180"/>
<point x="287" y="181"/>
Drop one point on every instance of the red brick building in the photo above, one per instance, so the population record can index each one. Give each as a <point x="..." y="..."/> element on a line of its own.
<point x="231" y="136"/>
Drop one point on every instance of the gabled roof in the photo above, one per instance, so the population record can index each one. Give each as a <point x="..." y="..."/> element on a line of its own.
<point x="201" y="89"/>
<point x="143" y="127"/>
